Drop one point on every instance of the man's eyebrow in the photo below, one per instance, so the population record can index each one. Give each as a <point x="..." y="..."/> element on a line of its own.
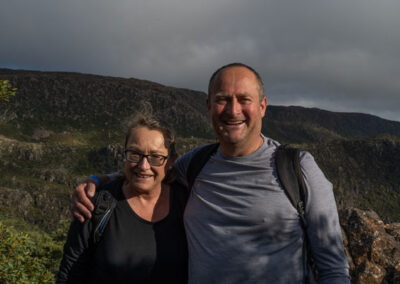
<point x="243" y="95"/>
<point x="221" y="94"/>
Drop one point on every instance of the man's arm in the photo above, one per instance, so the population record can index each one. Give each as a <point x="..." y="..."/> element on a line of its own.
<point x="324" y="230"/>
<point x="82" y="207"/>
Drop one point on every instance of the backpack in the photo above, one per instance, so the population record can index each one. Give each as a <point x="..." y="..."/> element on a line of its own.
<point x="287" y="162"/>
<point x="104" y="204"/>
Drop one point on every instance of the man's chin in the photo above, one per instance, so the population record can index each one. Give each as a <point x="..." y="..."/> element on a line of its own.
<point x="230" y="139"/>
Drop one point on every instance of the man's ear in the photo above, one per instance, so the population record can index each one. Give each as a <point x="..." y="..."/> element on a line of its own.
<point x="263" y="106"/>
<point x="208" y="103"/>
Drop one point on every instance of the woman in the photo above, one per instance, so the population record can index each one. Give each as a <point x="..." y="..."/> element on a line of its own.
<point x="144" y="240"/>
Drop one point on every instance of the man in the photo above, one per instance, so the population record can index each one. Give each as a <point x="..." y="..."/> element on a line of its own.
<point x="240" y="225"/>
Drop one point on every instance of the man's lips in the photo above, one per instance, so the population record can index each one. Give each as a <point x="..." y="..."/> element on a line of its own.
<point x="233" y="122"/>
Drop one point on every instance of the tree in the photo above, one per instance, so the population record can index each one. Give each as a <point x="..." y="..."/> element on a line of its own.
<point x="6" y="90"/>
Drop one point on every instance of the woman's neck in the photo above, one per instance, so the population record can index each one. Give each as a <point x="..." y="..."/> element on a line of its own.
<point x="150" y="206"/>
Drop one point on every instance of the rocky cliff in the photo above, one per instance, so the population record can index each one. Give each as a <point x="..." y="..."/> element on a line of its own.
<point x="372" y="247"/>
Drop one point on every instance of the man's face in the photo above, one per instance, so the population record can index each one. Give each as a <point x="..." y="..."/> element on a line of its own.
<point x="235" y="108"/>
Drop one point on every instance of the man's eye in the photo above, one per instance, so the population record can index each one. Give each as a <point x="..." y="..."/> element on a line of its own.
<point x="245" y="100"/>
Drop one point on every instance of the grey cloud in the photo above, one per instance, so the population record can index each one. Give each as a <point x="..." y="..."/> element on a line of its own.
<point x="339" y="55"/>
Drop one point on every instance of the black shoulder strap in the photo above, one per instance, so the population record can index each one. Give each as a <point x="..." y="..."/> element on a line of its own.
<point x="287" y="161"/>
<point x="104" y="204"/>
<point x="198" y="161"/>
<point x="289" y="172"/>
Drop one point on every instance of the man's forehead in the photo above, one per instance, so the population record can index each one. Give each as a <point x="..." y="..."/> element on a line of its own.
<point x="233" y="80"/>
<point x="236" y="73"/>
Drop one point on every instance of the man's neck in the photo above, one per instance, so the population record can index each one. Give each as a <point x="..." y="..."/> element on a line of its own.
<point x="240" y="150"/>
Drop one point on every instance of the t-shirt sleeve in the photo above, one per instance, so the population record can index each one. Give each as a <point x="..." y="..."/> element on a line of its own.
<point x="324" y="230"/>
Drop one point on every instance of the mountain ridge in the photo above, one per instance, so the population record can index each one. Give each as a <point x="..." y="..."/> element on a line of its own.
<point x="86" y="102"/>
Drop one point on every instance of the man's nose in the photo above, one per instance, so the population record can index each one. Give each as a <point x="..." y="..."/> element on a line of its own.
<point x="233" y="107"/>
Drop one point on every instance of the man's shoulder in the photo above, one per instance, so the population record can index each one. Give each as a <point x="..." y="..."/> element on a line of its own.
<point x="269" y="141"/>
<point x="183" y="162"/>
<point x="185" y="158"/>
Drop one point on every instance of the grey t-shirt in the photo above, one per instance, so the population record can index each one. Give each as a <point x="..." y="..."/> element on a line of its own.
<point x="242" y="228"/>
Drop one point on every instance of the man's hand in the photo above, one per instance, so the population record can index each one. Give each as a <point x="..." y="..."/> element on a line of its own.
<point x="81" y="205"/>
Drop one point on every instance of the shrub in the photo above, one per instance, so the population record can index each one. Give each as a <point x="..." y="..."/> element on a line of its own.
<point x="6" y="90"/>
<point x="20" y="261"/>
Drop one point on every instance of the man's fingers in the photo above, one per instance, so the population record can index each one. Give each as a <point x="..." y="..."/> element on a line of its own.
<point x="90" y="189"/>
<point x="81" y="212"/>
<point x="81" y="204"/>
<point x="77" y="216"/>
<point x="80" y="196"/>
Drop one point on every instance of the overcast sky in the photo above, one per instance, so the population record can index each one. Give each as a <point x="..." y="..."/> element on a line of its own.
<point x="341" y="55"/>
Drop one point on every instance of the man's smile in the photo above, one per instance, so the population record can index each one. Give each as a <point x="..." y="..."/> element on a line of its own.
<point x="234" y="122"/>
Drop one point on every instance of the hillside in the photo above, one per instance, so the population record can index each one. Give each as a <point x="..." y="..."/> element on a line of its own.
<point x="93" y="106"/>
<point x="299" y="124"/>
<point x="62" y="127"/>
<point x="93" y="109"/>
<point x="365" y="173"/>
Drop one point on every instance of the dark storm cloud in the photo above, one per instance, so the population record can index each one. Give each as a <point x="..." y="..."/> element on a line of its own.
<point x="340" y="55"/>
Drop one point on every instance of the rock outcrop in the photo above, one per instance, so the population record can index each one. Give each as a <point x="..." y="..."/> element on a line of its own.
<point x="373" y="247"/>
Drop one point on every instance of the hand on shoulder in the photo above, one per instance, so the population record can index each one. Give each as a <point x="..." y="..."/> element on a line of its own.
<point x="82" y="207"/>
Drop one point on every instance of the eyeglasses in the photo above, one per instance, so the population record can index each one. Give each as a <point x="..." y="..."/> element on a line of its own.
<point x="153" y="159"/>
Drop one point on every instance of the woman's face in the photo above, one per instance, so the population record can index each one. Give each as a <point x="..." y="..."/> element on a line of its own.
<point x="142" y="176"/>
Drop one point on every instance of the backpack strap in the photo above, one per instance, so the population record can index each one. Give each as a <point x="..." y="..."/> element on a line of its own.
<point x="104" y="204"/>
<point x="287" y="161"/>
<point x="199" y="159"/>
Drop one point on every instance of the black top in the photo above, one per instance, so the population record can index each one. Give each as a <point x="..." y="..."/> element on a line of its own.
<point x="131" y="250"/>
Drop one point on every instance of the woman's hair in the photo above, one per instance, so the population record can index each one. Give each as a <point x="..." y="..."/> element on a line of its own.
<point x="145" y="118"/>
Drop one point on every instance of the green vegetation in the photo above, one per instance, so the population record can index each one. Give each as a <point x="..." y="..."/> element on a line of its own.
<point x="6" y="90"/>
<point x="24" y="259"/>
